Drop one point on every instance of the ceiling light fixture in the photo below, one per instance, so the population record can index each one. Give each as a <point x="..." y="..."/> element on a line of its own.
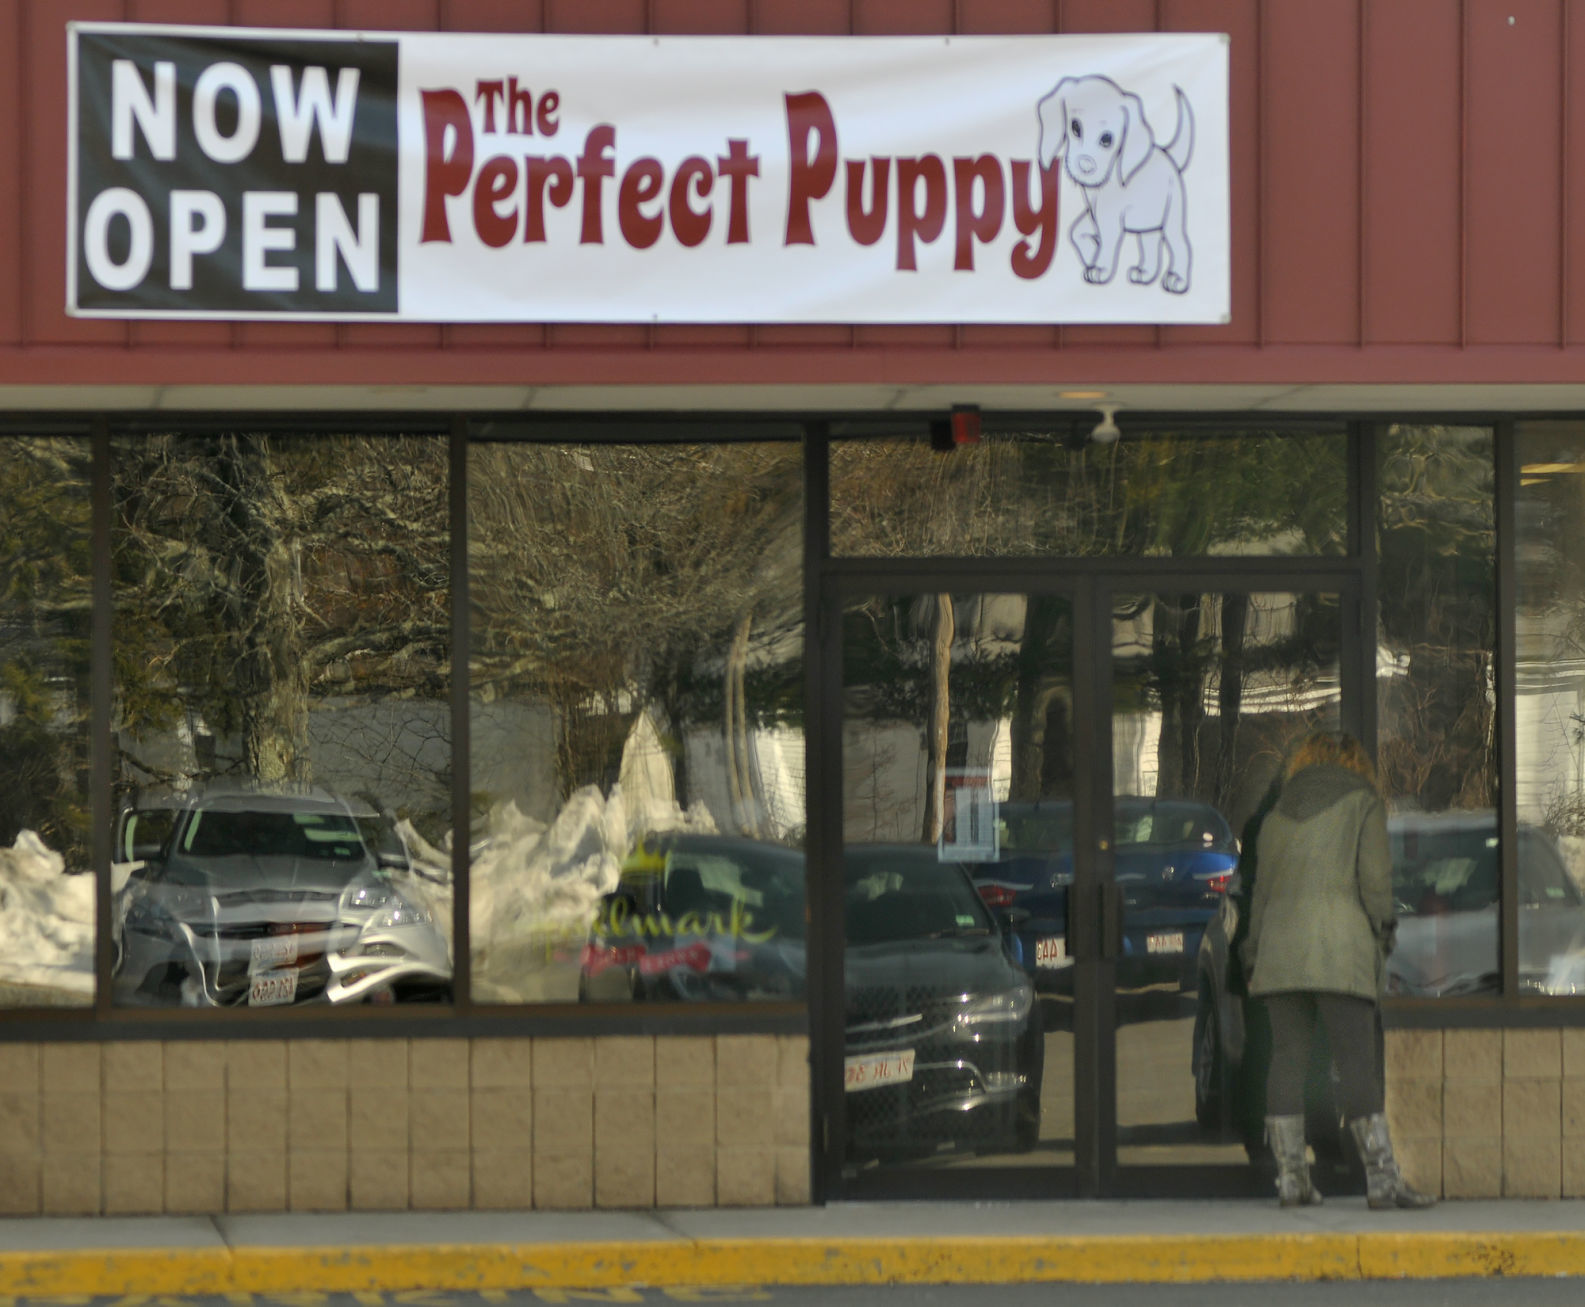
<point x="1106" y="430"/>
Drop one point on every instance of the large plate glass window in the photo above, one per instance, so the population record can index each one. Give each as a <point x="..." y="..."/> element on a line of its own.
<point x="637" y="735"/>
<point x="1549" y="706"/>
<point x="1435" y="685"/>
<point x="47" y="909"/>
<point x="282" y="753"/>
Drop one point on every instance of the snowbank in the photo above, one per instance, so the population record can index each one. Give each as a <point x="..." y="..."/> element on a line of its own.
<point x="46" y="920"/>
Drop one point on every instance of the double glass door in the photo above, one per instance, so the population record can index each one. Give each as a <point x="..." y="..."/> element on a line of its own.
<point x="1043" y="792"/>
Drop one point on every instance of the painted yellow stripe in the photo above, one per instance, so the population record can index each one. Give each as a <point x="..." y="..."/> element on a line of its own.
<point x="1004" y="1260"/>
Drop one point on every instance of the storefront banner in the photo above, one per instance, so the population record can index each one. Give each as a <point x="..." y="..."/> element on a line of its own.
<point x="242" y="173"/>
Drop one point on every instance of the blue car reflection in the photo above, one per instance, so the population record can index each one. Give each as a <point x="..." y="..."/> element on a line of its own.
<point x="1173" y="861"/>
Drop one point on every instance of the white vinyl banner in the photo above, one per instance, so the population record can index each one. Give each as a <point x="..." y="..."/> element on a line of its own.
<point x="228" y="173"/>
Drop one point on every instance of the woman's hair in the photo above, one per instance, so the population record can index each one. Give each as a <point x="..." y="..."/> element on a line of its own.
<point x="1338" y="748"/>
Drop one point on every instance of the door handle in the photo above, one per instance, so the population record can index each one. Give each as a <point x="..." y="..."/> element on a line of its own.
<point x="1111" y="920"/>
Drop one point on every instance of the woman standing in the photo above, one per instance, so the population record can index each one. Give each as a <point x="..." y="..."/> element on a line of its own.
<point x="1320" y="929"/>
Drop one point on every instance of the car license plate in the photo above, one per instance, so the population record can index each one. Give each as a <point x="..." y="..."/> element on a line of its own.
<point x="873" y="1069"/>
<point x="1166" y="941"/>
<point x="273" y="951"/>
<point x="1051" y="953"/>
<point x="270" y="988"/>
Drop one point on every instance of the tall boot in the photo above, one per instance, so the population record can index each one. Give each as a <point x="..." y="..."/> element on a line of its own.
<point x="1384" y="1183"/>
<point x="1294" y="1186"/>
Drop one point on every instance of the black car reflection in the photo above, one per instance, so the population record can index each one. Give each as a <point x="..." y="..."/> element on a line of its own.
<point x="944" y="1045"/>
<point x="256" y="898"/>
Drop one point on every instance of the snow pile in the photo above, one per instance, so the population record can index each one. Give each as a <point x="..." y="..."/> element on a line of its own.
<point x="535" y="888"/>
<point x="46" y="919"/>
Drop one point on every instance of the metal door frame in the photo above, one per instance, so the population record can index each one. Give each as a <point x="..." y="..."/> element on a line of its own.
<point x="1091" y="585"/>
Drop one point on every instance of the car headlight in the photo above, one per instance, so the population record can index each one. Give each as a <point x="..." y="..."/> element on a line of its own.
<point x="995" y="1009"/>
<point x="367" y="898"/>
<point x="400" y="913"/>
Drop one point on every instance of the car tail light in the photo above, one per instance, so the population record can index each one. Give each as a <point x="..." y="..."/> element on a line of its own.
<point x="997" y="896"/>
<point x="1216" y="882"/>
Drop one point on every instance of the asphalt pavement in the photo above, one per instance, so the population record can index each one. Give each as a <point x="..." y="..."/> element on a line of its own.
<point x="1141" y="1242"/>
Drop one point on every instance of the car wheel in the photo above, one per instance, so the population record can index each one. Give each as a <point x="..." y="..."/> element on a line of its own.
<point x="1209" y="1077"/>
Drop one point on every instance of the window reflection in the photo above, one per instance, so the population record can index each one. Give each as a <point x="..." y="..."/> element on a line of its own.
<point x="282" y="730"/>
<point x="1435" y="697"/>
<point x="1152" y="494"/>
<point x="1549" y="707"/>
<point x="637" y="738"/>
<point x="47" y="909"/>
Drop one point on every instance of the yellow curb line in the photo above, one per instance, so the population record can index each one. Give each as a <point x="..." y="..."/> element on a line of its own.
<point x="681" y="1261"/>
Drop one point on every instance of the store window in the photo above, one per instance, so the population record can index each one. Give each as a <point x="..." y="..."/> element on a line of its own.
<point x="1549" y="708"/>
<point x="637" y="687"/>
<point x="281" y="728"/>
<point x="1150" y="494"/>
<point x="1435" y="680"/>
<point x="47" y="909"/>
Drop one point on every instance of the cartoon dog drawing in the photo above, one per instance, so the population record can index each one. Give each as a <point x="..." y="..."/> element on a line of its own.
<point x="1131" y="184"/>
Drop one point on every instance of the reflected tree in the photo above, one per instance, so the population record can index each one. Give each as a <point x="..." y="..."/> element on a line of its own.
<point x="257" y="575"/>
<point x="45" y="613"/>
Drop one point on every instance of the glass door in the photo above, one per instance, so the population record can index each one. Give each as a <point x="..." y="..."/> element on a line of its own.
<point x="1209" y="688"/>
<point x="1046" y="802"/>
<point x="958" y="795"/>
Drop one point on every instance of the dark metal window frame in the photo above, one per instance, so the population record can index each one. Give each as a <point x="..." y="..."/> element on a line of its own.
<point x="816" y="430"/>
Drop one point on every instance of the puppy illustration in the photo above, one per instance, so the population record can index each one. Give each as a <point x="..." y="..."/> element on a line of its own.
<point x="1131" y="184"/>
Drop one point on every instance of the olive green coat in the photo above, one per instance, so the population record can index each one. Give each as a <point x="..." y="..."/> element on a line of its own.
<point x="1322" y="916"/>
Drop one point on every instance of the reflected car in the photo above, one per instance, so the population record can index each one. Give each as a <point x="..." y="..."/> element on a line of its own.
<point x="1445" y="877"/>
<point x="1173" y="862"/>
<point x="263" y="898"/>
<point x="944" y="1044"/>
<point x="1444" y="881"/>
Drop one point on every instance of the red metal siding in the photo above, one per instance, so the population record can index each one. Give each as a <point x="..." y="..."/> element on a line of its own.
<point x="1309" y="173"/>
<point x="1513" y="179"/>
<point x="1405" y="175"/>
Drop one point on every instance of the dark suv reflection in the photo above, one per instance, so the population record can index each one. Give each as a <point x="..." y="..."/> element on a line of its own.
<point x="944" y="1046"/>
<point x="255" y="898"/>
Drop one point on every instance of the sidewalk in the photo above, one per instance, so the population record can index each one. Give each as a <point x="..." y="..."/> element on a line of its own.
<point x="871" y="1243"/>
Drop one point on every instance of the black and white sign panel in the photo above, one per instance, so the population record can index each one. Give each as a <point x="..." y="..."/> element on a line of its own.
<point x="436" y="177"/>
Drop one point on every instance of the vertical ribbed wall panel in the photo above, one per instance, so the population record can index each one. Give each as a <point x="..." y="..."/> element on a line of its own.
<point x="13" y="111"/>
<point x="41" y="47"/>
<point x="1309" y="174"/>
<point x="1513" y="185"/>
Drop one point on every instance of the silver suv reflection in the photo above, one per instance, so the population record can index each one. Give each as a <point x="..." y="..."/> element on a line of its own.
<point x="261" y="898"/>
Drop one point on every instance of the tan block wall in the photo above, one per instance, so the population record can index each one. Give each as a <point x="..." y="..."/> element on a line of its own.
<point x="1489" y="1113"/>
<point x="367" y="1125"/>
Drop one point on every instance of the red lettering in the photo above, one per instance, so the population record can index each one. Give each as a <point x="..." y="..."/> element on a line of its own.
<point x="594" y="165"/>
<point x="444" y="174"/>
<point x="554" y="173"/>
<point x="545" y="115"/>
<point x="519" y="108"/>
<point x="497" y="180"/>
<point x="912" y="222"/>
<point x="641" y="183"/>
<point x="489" y="93"/>
<point x="690" y="225"/>
<point x="867" y="225"/>
<point x="976" y="224"/>
<point x="1029" y="220"/>
<point x="813" y="171"/>
<point x="738" y="165"/>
